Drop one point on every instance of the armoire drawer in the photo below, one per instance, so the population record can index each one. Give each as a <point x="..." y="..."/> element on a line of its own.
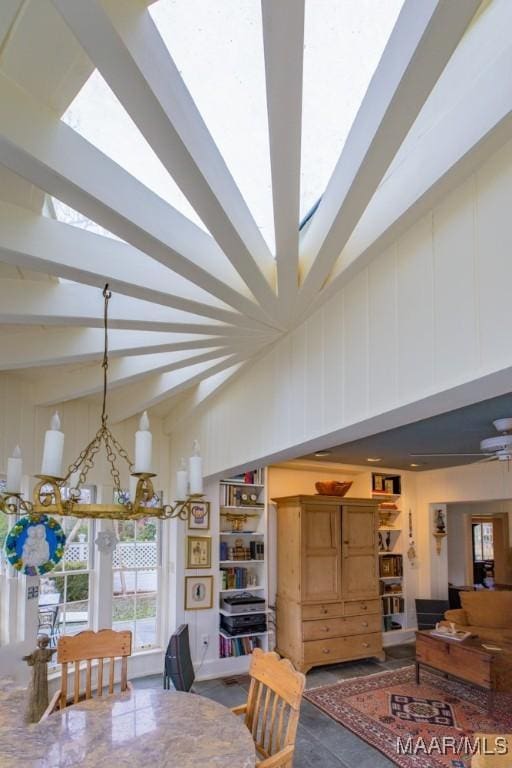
<point x="339" y="648"/>
<point x="338" y="627"/>
<point x="321" y="610"/>
<point x="360" y="607"/>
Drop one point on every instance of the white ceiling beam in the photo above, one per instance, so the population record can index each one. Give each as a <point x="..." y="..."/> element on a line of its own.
<point x="88" y="380"/>
<point x="283" y="38"/>
<point x="125" y="45"/>
<point x="198" y="396"/>
<point x="424" y="37"/>
<point x="62" y="346"/>
<point x="45" y="151"/>
<point x="477" y="124"/>
<point x="137" y="397"/>
<point x="44" y="245"/>
<point x="24" y="302"/>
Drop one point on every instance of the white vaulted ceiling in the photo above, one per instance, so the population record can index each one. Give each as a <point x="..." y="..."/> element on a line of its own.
<point x="205" y="258"/>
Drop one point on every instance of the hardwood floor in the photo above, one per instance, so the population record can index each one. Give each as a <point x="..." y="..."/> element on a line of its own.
<point x="321" y="742"/>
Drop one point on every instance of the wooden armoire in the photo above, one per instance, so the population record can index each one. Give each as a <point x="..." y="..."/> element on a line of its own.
<point x="328" y="604"/>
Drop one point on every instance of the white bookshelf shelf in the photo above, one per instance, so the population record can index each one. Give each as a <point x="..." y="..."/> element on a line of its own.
<point x="240" y="589"/>
<point x="237" y="637"/>
<point x="242" y="613"/>
<point x="244" y="507"/>
<point x="241" y="533"/>
<point x="240" y="562"/>
<point x="242" y="483"/>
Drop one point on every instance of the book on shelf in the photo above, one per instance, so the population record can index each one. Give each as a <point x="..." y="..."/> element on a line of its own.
<point x="392" y="604"/>
<point x="391" y="565"/>
<point x="238" y="496"/>
<point x="240" y="646"/>
<point x="253" y="477"/>
<point x="237" y="578"/>
<point x="257" y="550"/>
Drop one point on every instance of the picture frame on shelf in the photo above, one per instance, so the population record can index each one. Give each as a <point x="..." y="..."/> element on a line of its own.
<point x="199" y="552"/>
<point x="378" y="483"/>
<point x="198" y="593"/>
<point x="199" y="516"/>
<point x="388" y="486"/>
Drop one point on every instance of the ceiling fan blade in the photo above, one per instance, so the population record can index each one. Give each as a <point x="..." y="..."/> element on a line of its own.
<point x="451" y="454"/>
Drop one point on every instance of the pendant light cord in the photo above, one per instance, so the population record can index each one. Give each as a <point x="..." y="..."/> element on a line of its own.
<point x="107" y="295"/>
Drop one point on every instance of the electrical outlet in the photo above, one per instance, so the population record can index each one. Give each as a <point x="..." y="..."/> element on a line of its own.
<point x="205" y="640"/>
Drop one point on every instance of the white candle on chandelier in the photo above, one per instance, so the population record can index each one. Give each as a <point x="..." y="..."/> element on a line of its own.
<point x="14" y="471"/>
<point x="51" y="465"/>
<point x="195" y="470"/>
<point x="182" y="481"/>
<point x="143" y="445"/>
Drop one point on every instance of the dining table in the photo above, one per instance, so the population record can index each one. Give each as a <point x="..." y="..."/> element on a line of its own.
<point x="135" y="729"/>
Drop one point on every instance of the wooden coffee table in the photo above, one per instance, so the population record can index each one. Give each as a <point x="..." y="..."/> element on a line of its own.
<point x="467" y="660"/>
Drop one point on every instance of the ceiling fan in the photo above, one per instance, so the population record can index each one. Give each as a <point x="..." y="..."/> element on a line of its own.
<point x="491" y="449"/>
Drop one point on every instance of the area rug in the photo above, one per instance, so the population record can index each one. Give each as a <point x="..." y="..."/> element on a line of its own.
<point x="431" y="725"/>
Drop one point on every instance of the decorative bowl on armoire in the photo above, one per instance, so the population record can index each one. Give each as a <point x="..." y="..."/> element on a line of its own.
<point x="332" y="488"/>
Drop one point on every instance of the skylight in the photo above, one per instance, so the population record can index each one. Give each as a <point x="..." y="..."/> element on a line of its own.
<point x="343" y="42"/>
<point x="218" y="48"/>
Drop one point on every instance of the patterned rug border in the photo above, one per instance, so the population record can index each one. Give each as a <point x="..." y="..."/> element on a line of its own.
<point x="382" y="739"/>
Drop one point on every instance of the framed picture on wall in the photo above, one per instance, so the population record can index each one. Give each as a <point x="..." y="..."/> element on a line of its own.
<point x="199" y="552"/>
<point x="199" y="516"/>
<point x="198" y="593"/>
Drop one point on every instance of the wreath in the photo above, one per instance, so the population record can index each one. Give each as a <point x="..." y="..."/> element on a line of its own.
<point x="54" y="535"/>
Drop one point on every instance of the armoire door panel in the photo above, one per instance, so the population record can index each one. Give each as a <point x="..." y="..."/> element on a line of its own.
<point x="321" y="553"/>
<point x="359" y="576"/>
<point x="359" y="529"/>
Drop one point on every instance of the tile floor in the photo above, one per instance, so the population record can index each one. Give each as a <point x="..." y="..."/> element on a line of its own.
<point x="321" y="742"/>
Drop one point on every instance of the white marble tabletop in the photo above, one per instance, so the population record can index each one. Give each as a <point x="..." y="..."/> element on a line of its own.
<point x="147" y="727"/>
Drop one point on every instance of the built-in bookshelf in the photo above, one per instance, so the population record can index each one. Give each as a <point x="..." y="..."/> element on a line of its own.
<point x="387" y="488"/>
<point x="243" y="566"/>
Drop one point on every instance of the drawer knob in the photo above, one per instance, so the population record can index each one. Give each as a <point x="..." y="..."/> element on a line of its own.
<point x="324" y="610"/>
<point x="364" y="607"/>
<point x="326" y="629"/>
<point x="366" y="645"/>
<point x="326" y="650"/>
<point x="365" y="623"/>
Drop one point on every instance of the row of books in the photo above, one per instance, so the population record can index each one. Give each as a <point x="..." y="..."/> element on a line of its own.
<point x="393" y="604"/>
<point x="256" y="477"/>
<point x="235" y="578"/>
<point x="240" y="646"/>
<point x="391" y="565"/>
<point x="255" y="551"/>
<point x="240" y="496"/>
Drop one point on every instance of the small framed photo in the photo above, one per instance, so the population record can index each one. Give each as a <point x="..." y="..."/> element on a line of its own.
<point x="388" y="486"/>
<point x="199" y="516"/>
<point x="199" y="552"/>
<point x="198" y="593"/>
<point x="378" y="483"/>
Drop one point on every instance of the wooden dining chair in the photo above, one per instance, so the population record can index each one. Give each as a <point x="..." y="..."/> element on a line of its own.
<point x="104" y="647"/>
<point x="272" y="708"/>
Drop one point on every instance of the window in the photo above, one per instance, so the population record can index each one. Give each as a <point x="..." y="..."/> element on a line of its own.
<point x="65" y="597"/>
<point x="483" y="545"/>
<point x="4" y="529"/>
<point x="136" y="565"/>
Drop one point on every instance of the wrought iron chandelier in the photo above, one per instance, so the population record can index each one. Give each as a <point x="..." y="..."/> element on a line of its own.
<point x="47" y="497"/>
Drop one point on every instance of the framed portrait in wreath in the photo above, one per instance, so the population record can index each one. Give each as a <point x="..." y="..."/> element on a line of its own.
<point x="199" y="552"/>
<point x="199" y="516"/>
<point x="198" y="593"/>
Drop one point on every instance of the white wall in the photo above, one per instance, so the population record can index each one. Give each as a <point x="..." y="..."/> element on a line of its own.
<point x="430" y="314"/>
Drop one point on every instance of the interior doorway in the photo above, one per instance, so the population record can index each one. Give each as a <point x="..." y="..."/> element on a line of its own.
<point x="479" y="544"/>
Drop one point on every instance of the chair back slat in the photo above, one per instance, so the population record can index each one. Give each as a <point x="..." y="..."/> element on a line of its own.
<point x="64" y="685"/>
<point x="273" y="702"/>
<point x="100" y="677"/>
<point x="111" y="675"/>
<point x="88" y="687"/>
<point x="89" y="646"/>
<point x="76" y="694"/>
